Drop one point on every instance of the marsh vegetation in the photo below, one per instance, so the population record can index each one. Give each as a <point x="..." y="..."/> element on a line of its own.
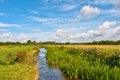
<point x="77" y="62"/>
<point x="86" y="62"/>
<point x="17" y="62"/>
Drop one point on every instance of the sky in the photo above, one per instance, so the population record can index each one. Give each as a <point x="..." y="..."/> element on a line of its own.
<point x="59" y="20"/>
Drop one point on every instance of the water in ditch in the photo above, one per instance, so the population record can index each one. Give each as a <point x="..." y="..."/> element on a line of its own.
<point x="47" y="72"/>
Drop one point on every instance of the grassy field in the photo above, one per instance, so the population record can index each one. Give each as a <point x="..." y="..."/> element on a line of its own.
<point x="86" y="62"/>
<point x="18" y="62"/>
<point x="78" y="62"/>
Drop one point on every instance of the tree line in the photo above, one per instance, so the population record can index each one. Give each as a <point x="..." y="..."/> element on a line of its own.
<point x="29" y="42"/>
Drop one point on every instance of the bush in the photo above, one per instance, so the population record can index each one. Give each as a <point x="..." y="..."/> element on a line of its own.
<point x="113" y="61"/>
<point x="21" y="56"/>
<point x="73" y="51"/>
<point x="91" y="54"/>
<point x="61" y="47"/>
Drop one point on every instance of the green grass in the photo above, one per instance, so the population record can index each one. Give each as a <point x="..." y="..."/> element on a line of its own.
<point x="17" y="72"/>
<point x="18" y="62"/>
<point x="85" y="64"/>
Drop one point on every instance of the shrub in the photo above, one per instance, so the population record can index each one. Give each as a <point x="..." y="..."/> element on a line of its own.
<point x="73" y="51"/>
<point x="113" y="61"/>
<point x="21" y="56"/>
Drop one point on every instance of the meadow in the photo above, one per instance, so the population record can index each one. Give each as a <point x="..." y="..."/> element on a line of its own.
<point x="17" y="62"/>
<point x="86" y="62"/>
<point x="77" y="62"/>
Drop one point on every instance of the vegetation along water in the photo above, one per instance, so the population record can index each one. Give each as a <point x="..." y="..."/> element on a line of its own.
<point x="77" y="62"/>
<point x="17" y="62"/>
<point x="86" y="62"/>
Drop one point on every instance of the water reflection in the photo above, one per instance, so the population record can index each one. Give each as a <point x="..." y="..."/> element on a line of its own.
<point x="46" y="72"/>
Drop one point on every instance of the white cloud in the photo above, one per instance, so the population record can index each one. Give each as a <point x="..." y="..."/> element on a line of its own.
<point x="42" y="20"/>
<point x="62" y="33"/>
<point x="73" y="20"/>
<point x="104" y="1"/>
<point x="116" y="31"/>
<point x="118" y="3"/>
<point x="35" y="12"/>
<point x="107" y="25"/>
<point x="1" y="14"/>
<point x="4" y="30"/>
<point x="111" y="12"/>
<point x="57" y="1"/>
<point x="102" y="32"/>
<point x="47" y="20"/>
<point x="8" y="25"/>
<point x="36" y="30"/>
<point x="89" y="11"/>
<point x="13" y="37"/>
<point x="67" y="7"/>
<point x="52" y="20"/>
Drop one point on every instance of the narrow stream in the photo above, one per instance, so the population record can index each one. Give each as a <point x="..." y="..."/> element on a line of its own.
<point x="45" y="71"/>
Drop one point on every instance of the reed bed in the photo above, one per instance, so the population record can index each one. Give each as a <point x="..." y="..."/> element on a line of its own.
<point x="86" y="63"/>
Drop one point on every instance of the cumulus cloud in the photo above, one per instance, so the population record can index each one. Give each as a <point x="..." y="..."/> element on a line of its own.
<point x="101" y="31"/>
<point x="89" y="11"/>
<point x="13" y="37"/>
<point x="62" y="33"/>
<point x="66" y="34"/>
<point x="8" y="25"/>
<point x="107" y="25"/>
<point x="116" y="31"/>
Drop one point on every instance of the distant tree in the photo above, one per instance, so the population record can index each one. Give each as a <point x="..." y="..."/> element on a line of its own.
<point x="118" y="42"/>
<point x="29" y="42"/>
<point x="1" y="43"/>
<point x="34" y="42"/>
<point x="67" y="43"/>
<point x="17" y="43"/>
<point x="40" y="42"/>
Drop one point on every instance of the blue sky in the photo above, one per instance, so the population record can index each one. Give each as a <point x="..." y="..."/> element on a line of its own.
<point x="59" y="20"/>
